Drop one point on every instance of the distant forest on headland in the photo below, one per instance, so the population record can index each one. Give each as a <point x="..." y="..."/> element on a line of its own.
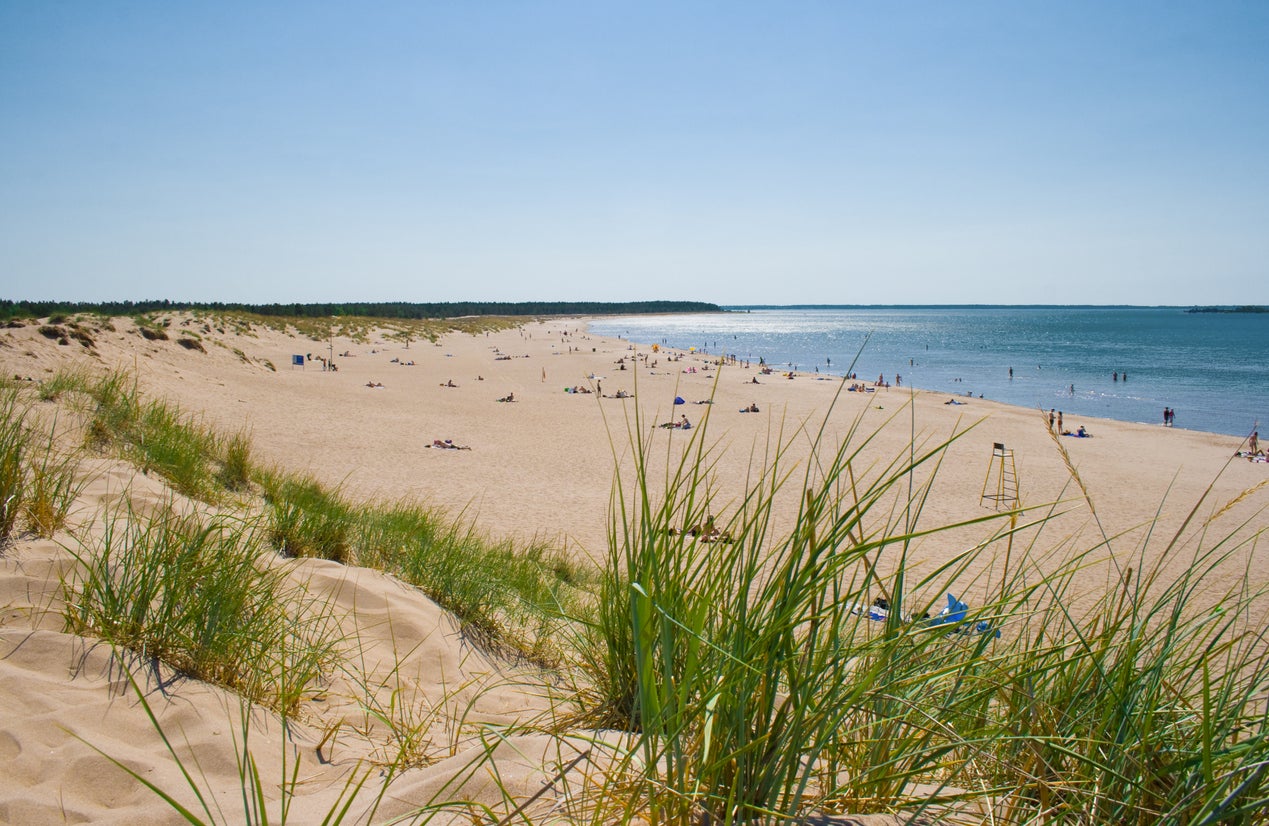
<point x="358" y="309"/>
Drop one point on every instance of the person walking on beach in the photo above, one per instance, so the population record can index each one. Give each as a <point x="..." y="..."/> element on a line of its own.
<point x="1050" y="418"/>
<point x="1059" y="421"/>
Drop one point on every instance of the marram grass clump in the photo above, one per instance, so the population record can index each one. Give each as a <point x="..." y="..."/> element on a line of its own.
<point x="39" y="481"/>
<point x="512" y="597"/>
<point x="306" y="519"/>
<point x="160" y="438"/>
<point x="763" y="683"/>
<point x="193" y="592"/>
<point x="15" y="442"/>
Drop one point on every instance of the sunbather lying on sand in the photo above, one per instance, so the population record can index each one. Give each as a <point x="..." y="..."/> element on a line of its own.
<point x="447" y="444"/>
<point x="707" y="532"/>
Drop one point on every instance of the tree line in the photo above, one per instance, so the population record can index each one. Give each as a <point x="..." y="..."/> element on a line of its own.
<point x="361" y="309"/>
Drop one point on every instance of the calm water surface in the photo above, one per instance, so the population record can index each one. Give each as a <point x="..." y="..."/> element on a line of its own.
<point x="1209" y="367"/>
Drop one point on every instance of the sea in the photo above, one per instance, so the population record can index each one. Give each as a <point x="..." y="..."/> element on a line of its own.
<point x="1123" y="363"/>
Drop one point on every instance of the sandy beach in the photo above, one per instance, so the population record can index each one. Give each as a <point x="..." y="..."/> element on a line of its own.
<point x="540" y="469"/>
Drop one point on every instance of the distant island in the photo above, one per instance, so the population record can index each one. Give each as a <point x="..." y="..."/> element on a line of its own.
<point x="1244" y="309"/>
<point x="359" y="309"/>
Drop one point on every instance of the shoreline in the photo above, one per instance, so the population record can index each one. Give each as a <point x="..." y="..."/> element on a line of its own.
<point x="967" y="397"/>
<point x="1065" y="358"/>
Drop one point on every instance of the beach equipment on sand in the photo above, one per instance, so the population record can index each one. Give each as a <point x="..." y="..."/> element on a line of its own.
<point x="954" y="614"/>
<point x="679" y="400"/>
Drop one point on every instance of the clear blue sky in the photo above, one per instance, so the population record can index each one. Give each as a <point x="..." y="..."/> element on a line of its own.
<point x="737" y="152"/>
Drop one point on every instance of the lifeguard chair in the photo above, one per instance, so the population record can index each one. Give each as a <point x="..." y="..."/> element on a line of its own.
<point x="1000" y="488"/>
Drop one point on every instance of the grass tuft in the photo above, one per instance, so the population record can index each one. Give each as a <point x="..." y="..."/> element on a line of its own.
<point x="190" y="591"/>
<point x="156" y="435"/>
<point x="307" y="520"/>
<point x="63" y="382"/>
<point x="14" y="443"/>
<point x="236" y="467"/>
<point x="53" y="486"/>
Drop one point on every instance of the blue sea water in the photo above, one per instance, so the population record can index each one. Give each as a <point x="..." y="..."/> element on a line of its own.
<point x="1210" y="368"/>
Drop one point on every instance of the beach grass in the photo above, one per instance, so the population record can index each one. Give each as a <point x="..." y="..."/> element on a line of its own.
<point x="763" y="682"/>
<point x="172" y="444"/>
<point x="159" y="437"/>
<point x="15" y="442"/>
<point x="236" y="465"/>
<point x="191" y="591"/>
<point x="306" y="519"/>
<point x="39" y="481"/>
<point x="355" y="328"/>
<point x="73" y="380"/>
<point x="510" y="596"/>
<point x="54" y="483"/>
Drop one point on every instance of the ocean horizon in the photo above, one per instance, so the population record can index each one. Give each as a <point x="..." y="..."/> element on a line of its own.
<point x="1122" y="362"/>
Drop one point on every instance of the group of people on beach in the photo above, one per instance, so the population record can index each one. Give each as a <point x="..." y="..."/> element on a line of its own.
<point x="1055" y="421"/>
<point x="1169" y="416"/>
<point x="1253" y="453"/>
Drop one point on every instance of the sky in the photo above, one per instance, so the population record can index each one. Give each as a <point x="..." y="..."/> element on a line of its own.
<point x="733" y="152"/>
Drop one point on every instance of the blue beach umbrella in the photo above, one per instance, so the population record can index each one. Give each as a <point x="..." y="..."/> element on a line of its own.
<point x="679" y="400"/>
